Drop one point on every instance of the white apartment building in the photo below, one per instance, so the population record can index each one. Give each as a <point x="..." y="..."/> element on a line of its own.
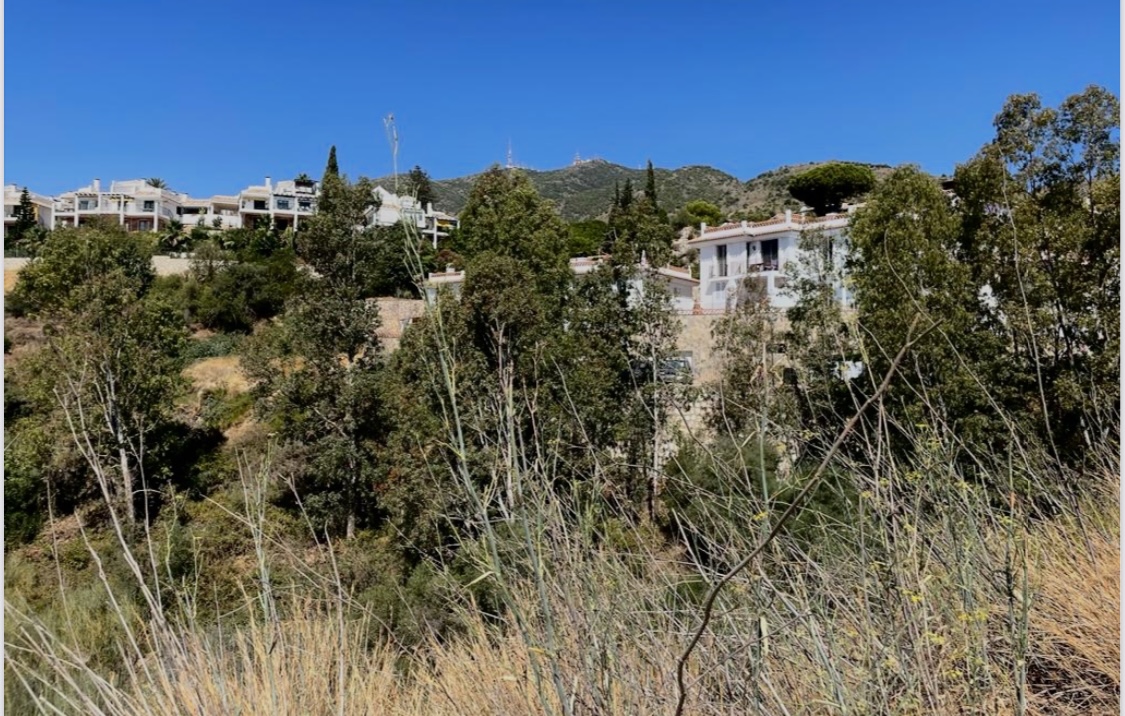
<point x="681" y="286"/>
<point x="393" y="208"/>
<point x="218" y="212"/>
<point x="734" y="253"/>
<point x="286" y="202"/>
<point x="44" y="206"/>
<point x="137" y="205"/>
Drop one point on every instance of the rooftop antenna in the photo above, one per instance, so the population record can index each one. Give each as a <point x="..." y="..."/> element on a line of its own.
<point x="392" y="138"/>
<point x="511" y="164"/>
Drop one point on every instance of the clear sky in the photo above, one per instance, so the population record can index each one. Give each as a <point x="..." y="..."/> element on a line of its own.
<point x="213" y="96"/>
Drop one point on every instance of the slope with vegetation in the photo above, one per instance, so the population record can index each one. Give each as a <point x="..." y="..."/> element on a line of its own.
<point x="258" y="510"/>
<point x="584" y="191"/>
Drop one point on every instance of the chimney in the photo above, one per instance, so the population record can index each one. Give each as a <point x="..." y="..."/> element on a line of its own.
<point x="97" y="185"/>
<point x="268" y="184"/>
<point x="429" y="207"/>
<point x="702" y="228"/>
<point x="788" y="216"/>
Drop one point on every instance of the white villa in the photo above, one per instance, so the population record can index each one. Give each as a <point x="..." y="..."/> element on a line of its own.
<point x="135" y="204"/>
<point x="284" y="202"/>
<point x="760" y="251"/>
<point x="139" y="206"/>
<point x="434" y="225"/>
<point x="681" y="285"/>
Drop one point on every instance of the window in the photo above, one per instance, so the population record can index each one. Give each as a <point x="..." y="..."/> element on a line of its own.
<point x="87" y="204"/>
<point x="770" y="255"/>
<point x="721" y="257"/>
<point x="304" y="205"/>
<point x="144" y="225"/>
<point x="150" y="205"/>
<point x="260" y="205"/>
<point x="283" y="204"/>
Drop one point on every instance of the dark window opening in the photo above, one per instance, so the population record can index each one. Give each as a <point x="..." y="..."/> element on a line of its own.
<point x="770" y="255"/>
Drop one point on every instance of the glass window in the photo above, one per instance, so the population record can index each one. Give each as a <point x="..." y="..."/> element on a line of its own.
<point x="150" y="205"/>
<point x="283" y="204"/>
<point x="721" y="256"/>
<point x="260" y="205"/>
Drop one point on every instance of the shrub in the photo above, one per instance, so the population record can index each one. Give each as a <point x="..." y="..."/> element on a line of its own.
<point x="214" y="346"/>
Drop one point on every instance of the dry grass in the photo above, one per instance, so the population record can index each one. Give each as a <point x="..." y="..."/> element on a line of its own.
<point x="10" y="276"/>
<point x="613" y="641"/>
<point x="1075" y="623"/>
<point x="220" y="373"/>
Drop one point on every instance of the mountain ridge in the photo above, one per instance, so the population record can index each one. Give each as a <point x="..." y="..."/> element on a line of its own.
<point x="584" y="189"/>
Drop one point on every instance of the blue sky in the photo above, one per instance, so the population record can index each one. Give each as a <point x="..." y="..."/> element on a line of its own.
<point x="212" y="96"/>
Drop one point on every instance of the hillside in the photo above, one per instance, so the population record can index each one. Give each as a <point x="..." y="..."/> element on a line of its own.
<point x="585" y="190"/>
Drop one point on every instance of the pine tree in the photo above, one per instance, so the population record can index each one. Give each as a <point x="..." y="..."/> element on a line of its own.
<point x="25" y="217"/>
<point x="419" y="183"/>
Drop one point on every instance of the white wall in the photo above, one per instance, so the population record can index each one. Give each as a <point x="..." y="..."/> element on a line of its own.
<point x="715" y="290"/>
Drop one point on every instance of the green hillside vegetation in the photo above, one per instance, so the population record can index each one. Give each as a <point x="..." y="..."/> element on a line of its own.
<point x="223" y="494"/>
<point x="584" y="191"/>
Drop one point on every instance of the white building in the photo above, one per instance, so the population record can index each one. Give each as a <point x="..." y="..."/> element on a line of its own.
<point x="286" y="202"/>
<point x="139" y="206"/>
<point x="218" y="212"/>
<point x="735" y="253"/>
<point x="681" y="286"/>
<point x="43" y="206"/>
<point x="135" y="204"/>
<point x="393" y="208"/>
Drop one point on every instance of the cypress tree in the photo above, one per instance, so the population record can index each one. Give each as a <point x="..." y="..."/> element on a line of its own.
<point x="332" y="169"/>
<point x="650" y="185"/>
<point x="627" y="194"/>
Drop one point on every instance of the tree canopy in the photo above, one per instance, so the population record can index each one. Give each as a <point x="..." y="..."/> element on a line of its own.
<point x="826" y="187"/>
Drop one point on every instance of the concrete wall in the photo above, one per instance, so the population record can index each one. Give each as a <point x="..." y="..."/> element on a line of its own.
<point x="396" y="314"/>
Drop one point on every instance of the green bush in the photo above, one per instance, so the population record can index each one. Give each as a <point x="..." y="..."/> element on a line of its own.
<point x="222" y="410"/>
<point x="214" y="346"/>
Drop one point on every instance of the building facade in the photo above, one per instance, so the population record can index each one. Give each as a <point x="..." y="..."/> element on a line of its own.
<point x="738" y="255"/>
<point x="135" y="204"/>
<point x="138" y="206"/>
<point x="392" y="208"/>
